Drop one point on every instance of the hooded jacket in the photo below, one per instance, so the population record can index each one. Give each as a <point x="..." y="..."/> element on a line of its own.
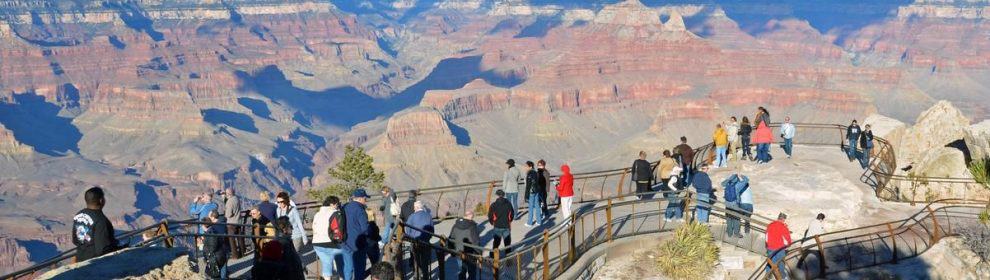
<point x="464" y="232"/>
<point x="720" y="137"/>
<point x="500" y="213"/>
<point x="566" y="186"/>
<point x="297" y="223"/>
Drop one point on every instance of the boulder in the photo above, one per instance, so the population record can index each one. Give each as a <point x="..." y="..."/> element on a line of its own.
<point x="132" y="263"/>
<point x="936" y="127"/>
<point x="942" y="162"/>
<point x="887" y="128"/>
<point x="978" y="140"/>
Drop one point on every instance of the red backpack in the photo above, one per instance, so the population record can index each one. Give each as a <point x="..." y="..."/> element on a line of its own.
<point x="338" y="228"/>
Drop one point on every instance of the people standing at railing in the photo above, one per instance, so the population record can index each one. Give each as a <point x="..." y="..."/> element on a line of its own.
<point x="852" y="137"/>
<point x="288" y="209"/>
<point x="533" y="195"/>
<point x="201" y="206"/>
<point x="265" y="205"/>
<point x="216" y="249"/>
<point x="721" y="140"/>
<point x="764" y="136"/>
<point x="500" y="216"/>
<point x="732" y="129"/>
<point x="92" y="232"/>
<point x="745" y="132"/>
<point x="465" y="232"/>
<point x="329" y="235"/>
<point x="260" y="226"/>
<point x="641" y="174"/>
<point x="390" y="211"/>
<point x="543" y="183"/>
<point x="407" y="207"/>
<point x="787" y="131"/>
<point x="510" y="184"/>
<point x="291" y="261"/>
<point x="357" y="231"/>
<point x="778" y="238"/>
<point x="685" y="155"/>
<point x="732" y="188"/>
<point x="866" y="141"/>
<point x="667" y="171"/>
<point x="420" y="230"/>
<point x="565" y="189"/>
<point x="232" y="212"/>
<point x="702" y="184"/>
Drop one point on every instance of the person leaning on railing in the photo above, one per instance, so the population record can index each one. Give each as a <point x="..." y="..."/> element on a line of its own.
<point x="778" y="238"/>
<point x="92" y="232"/>
<point x="260" y="226"/>
<point x="685" y="155"/>
<point x="231" y="211"/>
<point x="421" y="220"/>
<point x="465" y="232"/>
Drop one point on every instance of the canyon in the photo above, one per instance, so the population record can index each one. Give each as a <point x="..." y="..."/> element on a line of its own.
<point x="159" y="101"/>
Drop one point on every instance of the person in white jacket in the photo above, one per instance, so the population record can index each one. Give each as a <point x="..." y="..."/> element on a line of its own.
<point x="327" y="249"/>
<point x="787" y="131"/>
<point x="287" y="208"/>
<point x="815" y="227"/>
<point x="732" y="128"/>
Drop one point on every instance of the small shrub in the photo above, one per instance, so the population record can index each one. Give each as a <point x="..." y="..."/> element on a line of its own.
<point x="480" y="209"/>
<point x="981" y="171"/>
<point x="977" y="237"/>
<point x="984" y="217"/>
<point x="691" y="254"/>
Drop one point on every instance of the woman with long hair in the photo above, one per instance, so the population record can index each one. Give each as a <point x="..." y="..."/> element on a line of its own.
<point x="745" y="133"/>
<point x="764" y="135"/>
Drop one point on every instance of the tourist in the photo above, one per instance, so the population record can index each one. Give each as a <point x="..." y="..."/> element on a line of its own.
<point x="732" y="130"/>
<point x="382" y="271"/>
<point x="357" y="230"/>
<point x="746" y="205"/>
<point x="92" y="232"/>
<point x="465" y="232"/>
<point x="852" y="135"/>
<point x="732" y="188"/>
<point x="201" y="206"/>
<point x="500" y="217"/>
<point x="866" y="142"/>
<point x="665" y="171"/>
<point x="288" y="209"/>
<point x="374" y="237"/>
<point x="329" y="235"/>
<point x="232" y="212"/>
<point x="745" y="131"/>
<point x="778" y="238"/>
<point x="685" y="155"/>
<point x="543" y="183"/>
<point x="291" y="262"/>
<point x="787" y="130"/>
<point x="533" y="195"/>
<point x="390" y="211"/>
<point x="815" y="228"/>
<point x="216" y="249"/>
<point x="721" y="140"/>
<point x="510" y="184"/>
<point x="764" y="136"/>
<point x="642" y="175"/>
<point x="565" y="189"/>
<point x="703" y="186"/>
<point x="407" y="207"/>
<point x="260" y="226"/>
<point x="421" y="230"/>
<point x="267" y="208"/>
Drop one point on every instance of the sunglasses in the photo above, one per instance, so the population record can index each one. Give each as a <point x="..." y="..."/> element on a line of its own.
<point x="281" y="201"/>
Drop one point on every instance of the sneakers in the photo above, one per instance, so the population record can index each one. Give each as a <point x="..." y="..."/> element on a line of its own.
<point x="528" y="225"/>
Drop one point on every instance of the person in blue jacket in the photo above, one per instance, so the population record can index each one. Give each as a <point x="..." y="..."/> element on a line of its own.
<point x="357" y="231"/>
<point x="422" y="253"/>
<point x="202" y="206"/>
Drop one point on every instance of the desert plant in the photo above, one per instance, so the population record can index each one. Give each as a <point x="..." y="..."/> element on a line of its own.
<point x="691" y="254"/>
<point x="981" y="171"/>
<point x="480" y="209"/>
<point x="354" y="171"/>
<point x="977" y="238"/>
<point x="984" y="217"/>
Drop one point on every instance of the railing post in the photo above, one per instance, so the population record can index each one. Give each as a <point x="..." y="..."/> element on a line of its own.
<point x="163" y="230"/>
<point x="518" y="265"/>
<point x="608" y="220"/>
<point x="936" y="236"/>
<point x="440" y="260"/>
<point x="622" y="179"/>
<point x="570" y="233"/>
<point x="687" y="205"/>
<point x="399" y="233"/>
<point x="821" y="255"/>
<point x="491" y="188"/>
<point x="774" y="269"/>
<point x="495" y="264"/>
<point x="893" y="243"/>
<point x="546" y="252"/>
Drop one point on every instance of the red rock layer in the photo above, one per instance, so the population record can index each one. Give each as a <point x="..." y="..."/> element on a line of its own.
<point x="419" y="126"/>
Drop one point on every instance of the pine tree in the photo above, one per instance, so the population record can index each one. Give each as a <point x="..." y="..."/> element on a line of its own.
<point x="354" y="171"/>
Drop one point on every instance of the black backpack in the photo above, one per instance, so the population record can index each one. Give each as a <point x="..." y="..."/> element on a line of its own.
<point x="338" y="228"/>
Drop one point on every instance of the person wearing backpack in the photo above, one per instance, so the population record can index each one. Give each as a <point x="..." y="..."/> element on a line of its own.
<point x="733" y="186"/>
<point x="329" y="234"/>
<point x="745" y="203"/>
<point x="216" y="249"/>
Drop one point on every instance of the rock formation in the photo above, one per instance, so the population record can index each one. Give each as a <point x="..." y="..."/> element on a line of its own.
<point x="936" y="127"/>
<point x="978" y="140"/>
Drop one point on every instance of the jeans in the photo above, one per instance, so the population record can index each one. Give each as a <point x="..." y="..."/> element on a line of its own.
<point x="701" y="211"/>
<point x="535" y="211"/>
<point x="851" y="149"/>
<point x="642" y="187"/>
<point x="745" y="147"/>
<point x="864" y="160"/>
<point x="720" y="156"/>
<point x="330" y="257"/>
<point x="747" y="211"/>
<point x="387" y="230"/>
<point x="466" y="270"/>
<point x="732" y="220"/>
<point x="788" y="146"/>
<point x="422" y="257"/>
<point x="685" y="175"/>
<point x="360" y="259"/>
<point x="777" y="257"/>
<point x="499" y="234"/>
<point x="674" y="210"/>
<point x="514" y="199"/>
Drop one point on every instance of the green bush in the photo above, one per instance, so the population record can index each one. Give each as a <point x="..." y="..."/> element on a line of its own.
<point x="981" y="171"/>
<point x="354" y="171"/>
<point x="691" y="254"/>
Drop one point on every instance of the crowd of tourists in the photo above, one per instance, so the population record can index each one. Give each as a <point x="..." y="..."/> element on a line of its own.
<point x="346" y="237"/>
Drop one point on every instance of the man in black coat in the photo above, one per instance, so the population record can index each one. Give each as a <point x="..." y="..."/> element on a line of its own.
<point x="92" y="232"/>
<point x="465" y="231"/>
<point x="407" y="207"/>
<point x="541" y="185"/>
<point x="500" y="216"/>
<point x="642" y="174"/>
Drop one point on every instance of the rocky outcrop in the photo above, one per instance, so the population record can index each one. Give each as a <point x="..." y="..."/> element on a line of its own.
<point x="978" y="140"/>
<point x="936" y="127"/>
<point x="9" y="146"/>
<point x="420" y="126"/>
<point x="629" y="13"/>
<point x="475" y="97"/>
<point x="14" y="256"/>
<point x="149" y="263"/>
<point x="886" y="128"/>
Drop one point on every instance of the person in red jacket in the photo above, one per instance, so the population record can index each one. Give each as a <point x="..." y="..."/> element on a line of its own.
<point x="778" y="238"/>
<point x="566" y="191"/>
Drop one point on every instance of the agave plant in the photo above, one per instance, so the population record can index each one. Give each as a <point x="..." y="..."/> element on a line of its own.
<point x="981" y="171"/>
<point x="691" y="254"/>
